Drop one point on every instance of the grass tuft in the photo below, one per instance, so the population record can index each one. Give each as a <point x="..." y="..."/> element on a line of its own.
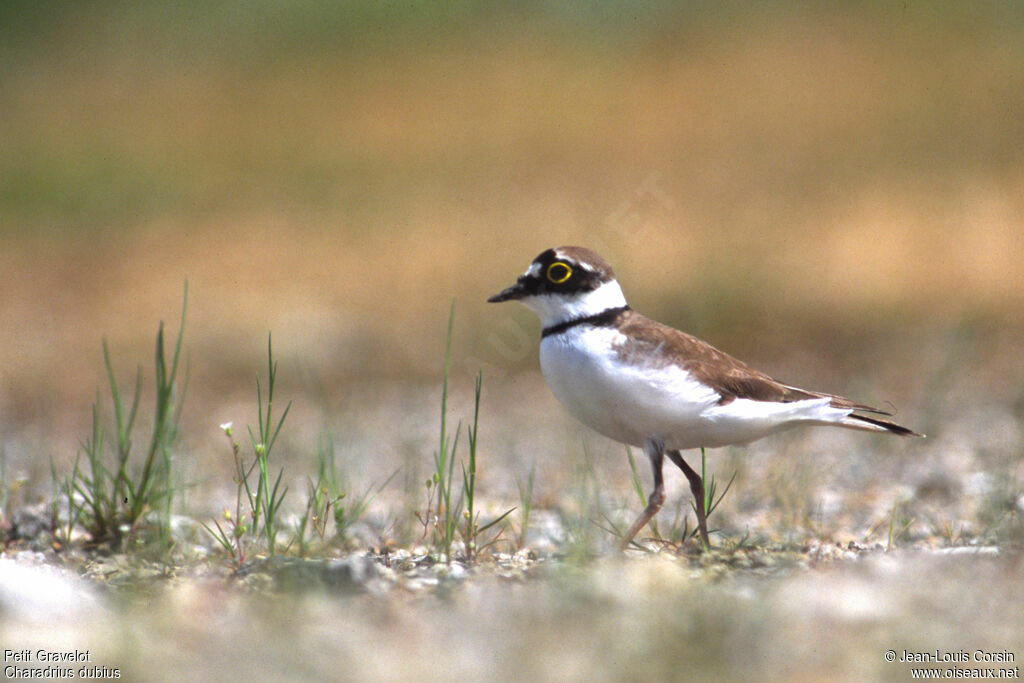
<point x="257" y="504"/>
<point x="103" y="495"/>
<point x="525" y="506"/>
<point x="328" y="501"/>
<point x="448" y="515"/>
<point x="897" y="523"/>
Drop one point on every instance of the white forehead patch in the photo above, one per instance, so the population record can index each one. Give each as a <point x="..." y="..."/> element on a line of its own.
<point x="533" y="270"/>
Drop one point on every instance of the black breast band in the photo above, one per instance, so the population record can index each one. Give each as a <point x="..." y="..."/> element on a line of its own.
<point x="605" y="318"/>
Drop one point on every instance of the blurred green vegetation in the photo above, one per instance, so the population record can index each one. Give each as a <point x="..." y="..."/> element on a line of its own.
<point x="828" y="174"/>
<point x="119" y="112"/>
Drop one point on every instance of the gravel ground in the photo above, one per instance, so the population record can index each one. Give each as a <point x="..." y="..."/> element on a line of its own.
<point x="833" y="550"/>
<point x="823" y="611"/>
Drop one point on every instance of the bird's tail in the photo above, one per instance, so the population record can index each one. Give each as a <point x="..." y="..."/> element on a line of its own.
<point x="877" y="424"/>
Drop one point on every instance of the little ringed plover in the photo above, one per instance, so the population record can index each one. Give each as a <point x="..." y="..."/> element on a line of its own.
<point x="648" y="385"/>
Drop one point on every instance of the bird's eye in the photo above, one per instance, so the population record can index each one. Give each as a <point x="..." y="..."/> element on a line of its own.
<point x="559" y="272"/>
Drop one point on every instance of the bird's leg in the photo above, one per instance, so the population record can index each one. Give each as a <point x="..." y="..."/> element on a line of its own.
<point x="697" y="487"/>
<point x="655" y="451"/>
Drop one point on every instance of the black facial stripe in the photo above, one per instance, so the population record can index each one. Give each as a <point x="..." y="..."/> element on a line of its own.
<point x="583" y="278"/>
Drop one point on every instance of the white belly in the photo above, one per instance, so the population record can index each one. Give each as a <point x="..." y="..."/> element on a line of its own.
<point x="634" y="403"/>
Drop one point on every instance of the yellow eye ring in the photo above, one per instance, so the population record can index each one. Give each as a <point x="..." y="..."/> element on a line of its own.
<point x="559" y="272"/>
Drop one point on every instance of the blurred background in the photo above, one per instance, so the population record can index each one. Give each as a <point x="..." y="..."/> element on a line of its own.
<point x="833" y="192"/>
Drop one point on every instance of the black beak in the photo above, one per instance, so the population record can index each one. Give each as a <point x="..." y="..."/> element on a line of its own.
<point x="516" y="291"/>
